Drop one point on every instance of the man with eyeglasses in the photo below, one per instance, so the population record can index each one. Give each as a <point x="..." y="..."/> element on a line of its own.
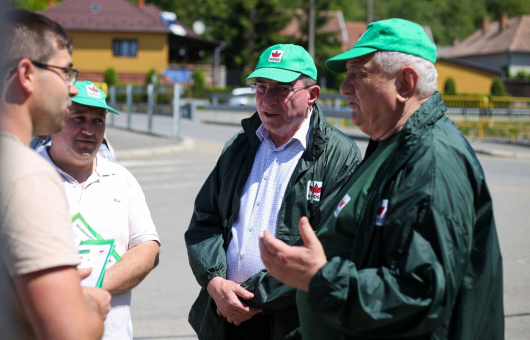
<point x="40" y="291"/>
<point x="287" y="162"/>
<point x="410" y="250"/>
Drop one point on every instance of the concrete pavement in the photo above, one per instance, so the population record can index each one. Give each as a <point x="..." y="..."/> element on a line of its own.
<point x="136" y="143"/>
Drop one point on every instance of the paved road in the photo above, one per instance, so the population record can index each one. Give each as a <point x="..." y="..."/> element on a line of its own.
<point x="171" y="182"/>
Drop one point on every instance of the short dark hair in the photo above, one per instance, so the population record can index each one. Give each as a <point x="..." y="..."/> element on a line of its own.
<point x="31" y="35"/>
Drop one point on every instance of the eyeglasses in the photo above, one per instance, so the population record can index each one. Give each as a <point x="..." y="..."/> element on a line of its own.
<point x="277" y="90"/>
<point x="71" y="73"/>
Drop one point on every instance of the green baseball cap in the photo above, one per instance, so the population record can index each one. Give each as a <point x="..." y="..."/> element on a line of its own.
<point x="90" y="95"/>
<point x="396" y="35"/>
<point x="285" y="63"/>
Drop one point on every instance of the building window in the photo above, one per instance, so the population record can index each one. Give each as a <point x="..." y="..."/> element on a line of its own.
<point x="125" y="47"/>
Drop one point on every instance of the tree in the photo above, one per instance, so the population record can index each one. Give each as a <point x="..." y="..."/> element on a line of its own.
<point x="152" y="77"/>
<point x="450" y="86"/>
<point x="497" y="87"/>
<point x="110" y="77"/>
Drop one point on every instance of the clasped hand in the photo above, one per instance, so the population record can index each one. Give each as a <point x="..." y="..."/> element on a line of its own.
<point x="226" y="295"/>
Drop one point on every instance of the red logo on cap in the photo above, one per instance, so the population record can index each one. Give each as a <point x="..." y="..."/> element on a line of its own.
<point x="92" y="88"/>
<point x="276" y="54"/>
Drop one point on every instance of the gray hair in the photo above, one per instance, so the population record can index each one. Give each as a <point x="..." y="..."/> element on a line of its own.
<point x="392" y="62"/>
<point x="307" y="81"/>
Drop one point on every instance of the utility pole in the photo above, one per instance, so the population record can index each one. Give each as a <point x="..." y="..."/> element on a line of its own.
<point x="312" y="28"/>
<point x="369" y="11"/>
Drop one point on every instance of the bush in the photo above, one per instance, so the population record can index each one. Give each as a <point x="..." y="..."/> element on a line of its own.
<point x="450" y="87"/>
<point x="152" y="75"/>
<point x="199" y="82"/>
<point x="497" y="87"/>
<point x="110" y="76"/>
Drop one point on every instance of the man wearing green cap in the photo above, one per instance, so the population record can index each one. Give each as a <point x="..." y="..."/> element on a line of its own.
<point x="286" y="163"/>
<point x="105" y="200"/>
<point x="411" y="249"/>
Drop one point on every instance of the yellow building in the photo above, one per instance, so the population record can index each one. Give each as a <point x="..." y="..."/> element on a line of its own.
<point x="131" y="39"/>
<point x="469" y="77"/>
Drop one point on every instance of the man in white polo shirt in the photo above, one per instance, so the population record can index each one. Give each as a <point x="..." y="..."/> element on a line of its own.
<point x="106" y="197"/>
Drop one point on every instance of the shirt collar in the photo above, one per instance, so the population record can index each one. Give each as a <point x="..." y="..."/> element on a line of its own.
<point x="302" y="134"/>
<point x="103" y="166"/>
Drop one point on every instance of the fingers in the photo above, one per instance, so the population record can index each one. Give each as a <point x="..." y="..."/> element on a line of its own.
<point x="242" y="292"/>
<point x="272" y="244"/>
<point x="84" y="272"/>
<point x="308" y="235"/>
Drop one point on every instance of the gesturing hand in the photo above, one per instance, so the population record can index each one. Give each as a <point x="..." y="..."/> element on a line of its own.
<point x="225" y="294"/>
<point x="294" y="266"/>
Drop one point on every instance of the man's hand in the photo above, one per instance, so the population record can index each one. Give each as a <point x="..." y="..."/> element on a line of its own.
<point x="84" y="272"/>
<point x="97" y="299"/>
<point x="294" y="266"/>
<point x="225" y="294"/>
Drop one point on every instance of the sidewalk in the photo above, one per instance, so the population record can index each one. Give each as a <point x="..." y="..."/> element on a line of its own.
<point x="129" y="144"/>
<point x="494" y="147"/>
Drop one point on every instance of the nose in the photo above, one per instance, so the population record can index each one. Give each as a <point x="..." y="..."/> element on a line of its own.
<point x="72" y="91"/>
<point x="346" y="87"/>
<point x="88" y="128"/>
<point x="268" y="98"/>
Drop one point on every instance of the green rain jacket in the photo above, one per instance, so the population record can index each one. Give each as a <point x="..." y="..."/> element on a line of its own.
<point x="428" y="268"/>
<point x="330" y="157"/>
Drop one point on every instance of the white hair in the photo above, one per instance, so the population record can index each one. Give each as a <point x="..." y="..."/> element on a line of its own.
<point x="392" y="62"/>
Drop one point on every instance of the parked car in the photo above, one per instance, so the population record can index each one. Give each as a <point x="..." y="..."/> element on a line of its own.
<point x="242" y="96"/>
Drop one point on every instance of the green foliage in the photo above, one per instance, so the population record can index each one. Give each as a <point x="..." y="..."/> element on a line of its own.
<point x="497" y="87"/>
<point x="152" y="75"/>
<point x="522" y="75"/>
<point x="198" y="82"/>
<point x="450" y="86"/>
<point x="110" y="77"/>
<point x="30" y="5"/>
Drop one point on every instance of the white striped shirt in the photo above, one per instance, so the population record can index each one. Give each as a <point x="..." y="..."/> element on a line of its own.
<point x="261" y="200"/>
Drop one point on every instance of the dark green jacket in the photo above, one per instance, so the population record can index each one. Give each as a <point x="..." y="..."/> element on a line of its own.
<point x="330" y="157"/>
<point x="433" y="270"/>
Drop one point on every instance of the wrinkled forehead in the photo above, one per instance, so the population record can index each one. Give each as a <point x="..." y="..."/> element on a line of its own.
<point x="273" y="82"/>
<point x="360" y="62"/>
<point x="78" y="109"/>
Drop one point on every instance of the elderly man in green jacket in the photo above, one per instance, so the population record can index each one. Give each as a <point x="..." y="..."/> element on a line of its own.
<point x="287" y="162"/>
<point x="410" y="250"/>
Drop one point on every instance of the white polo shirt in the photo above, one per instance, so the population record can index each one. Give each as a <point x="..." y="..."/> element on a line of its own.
<point x="113" y="204"/>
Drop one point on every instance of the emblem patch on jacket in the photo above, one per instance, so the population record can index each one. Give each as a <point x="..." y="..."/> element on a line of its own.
<point x="314" y="189"/>
<point x="342" y="204"/>
<point x="381" y="213"/>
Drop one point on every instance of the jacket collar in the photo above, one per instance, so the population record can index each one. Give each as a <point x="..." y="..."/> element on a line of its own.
<point x="317" y="133"/>
<point x="426" y="115"/>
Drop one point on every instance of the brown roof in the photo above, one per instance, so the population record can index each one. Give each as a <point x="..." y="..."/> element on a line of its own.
<point x="515" y="36"/>
<point x="355" y="30"/>
<point x="334" y="24"/>
<point x="106" y="15"/>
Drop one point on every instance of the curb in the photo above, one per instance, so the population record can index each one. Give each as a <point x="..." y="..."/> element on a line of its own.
<point x="503" y="154"/>
<point x="185" y="145"/>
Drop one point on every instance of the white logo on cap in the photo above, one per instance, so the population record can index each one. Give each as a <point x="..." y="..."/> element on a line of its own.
<point x="276" y="56"/>
<point x="92" y="91"/>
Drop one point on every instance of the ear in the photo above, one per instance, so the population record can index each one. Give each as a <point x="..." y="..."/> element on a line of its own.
<point x="25" y="75"/>
<point x="406" y="83"/>
<point x="314" y="93"/>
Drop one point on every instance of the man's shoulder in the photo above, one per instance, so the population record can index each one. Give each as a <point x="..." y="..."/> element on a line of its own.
<point x="19" y="161"/>
<point x="338" y="140"/>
